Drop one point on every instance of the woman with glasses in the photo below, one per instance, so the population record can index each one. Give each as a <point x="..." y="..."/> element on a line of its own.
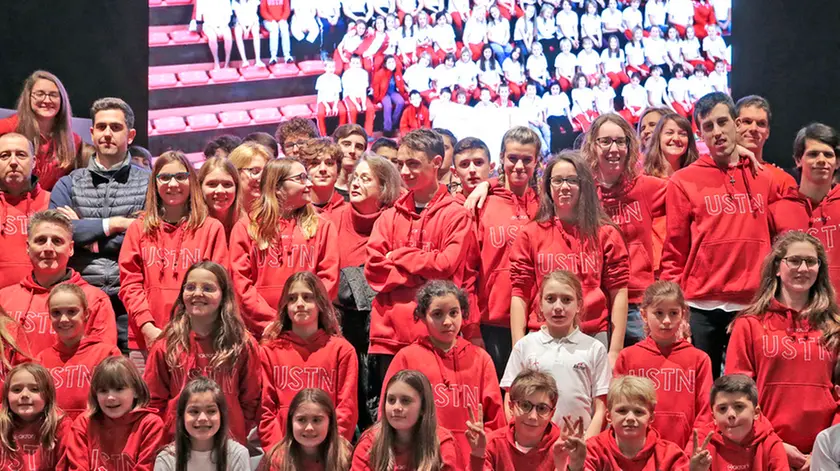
<point x="283" y="235"/>
<point x="787" y="340"/>
<point x="632" y="201"/>
<point x="571" y="232"/>
<point x="173" y="233"/>
<point x="45" y="118"/>
<point x="249" y="159"/>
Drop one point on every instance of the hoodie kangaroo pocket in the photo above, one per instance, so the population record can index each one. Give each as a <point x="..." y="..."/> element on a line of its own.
<point x="727" y="266"/>
<point x="673" y="426"/>
<point x="798" y="411"/>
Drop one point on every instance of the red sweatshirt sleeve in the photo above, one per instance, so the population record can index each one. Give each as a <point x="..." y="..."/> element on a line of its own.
<point x="132" y="279"/>
<point x="777" y="461"/>
<point x="78" y="447"/>
<point x="620" y="368"/>
<point x="616" y="270"/>
<point x="702" y="388"/>
<point x="327" y="268"/>
<point x="256" y="312"/>
<point x="157" y="376"/>
<point x="269" y="426"/>
<point x="8" y="125"/>
<point x="62" y="438"/>
<point x="102" y="322"/>
<point x="217" y="247"/>
<point x="380" y="271"/>
<point x="347" y="405"/>
<point x="250" y="384"/>
<point x="361" y="455"/>
<point x="677" y="233"/>
<point x="470" y="328"/>
<point x="443" y="262"/>
<point x="740" y="357"/>
<point x="491" y="402"/>
<point x="657" y="197"/>
<point x="522" y="272"/>
<point x="405" y="121"/>
<point x="450" y="454"/>
<point x="150" y="433"/>
<point x="427" y="123"/>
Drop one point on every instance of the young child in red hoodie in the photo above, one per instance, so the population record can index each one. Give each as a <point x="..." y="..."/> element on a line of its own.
<point x="631" y="200"/>
<point x="206" y="337"/>
<point x="312" y="440"/>
<point x="50" y="246"/>
<point x="740" y="437"/>
<point x="118" y="432"/>
<point x="284" y="235"/>
<point x="407" y="436"/>
<point x="304" y="348"/>
<point x="174" y="233"/>
<point x="33" y="429"/>
<point x="462" y="374"/>
<point x="415" y="115"/>
<point x="681" y="373"/>
<point x="74" y="355"/>
<point x="785" y="340"/>
<point x="322" y="158"/>
<point x="530" y="441"/>
<point x="631" y="444"/>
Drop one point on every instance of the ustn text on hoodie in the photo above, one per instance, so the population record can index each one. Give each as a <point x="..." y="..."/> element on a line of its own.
<point x="130" y="442"/>
<point x="761" y="449"/>
<point x="30" y="454"/>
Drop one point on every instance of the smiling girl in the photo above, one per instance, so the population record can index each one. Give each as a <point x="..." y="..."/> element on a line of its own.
<point x="220" y="185"/>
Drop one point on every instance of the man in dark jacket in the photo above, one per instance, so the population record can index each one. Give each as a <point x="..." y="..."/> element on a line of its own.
<point x="103" y="199"/>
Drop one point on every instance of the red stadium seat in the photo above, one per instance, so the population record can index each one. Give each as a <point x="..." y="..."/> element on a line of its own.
<point x="299" y="110"/>
<point x="169" y="125"/>
<point x="224" y="75"/>
<point x="185" y="37"/>
<point x="281" y="69"/>
<point x="162" y="81"/>
<point x="234" y="118"/>
<point x="154" y="3"/>
<point x="266" y="115"/>
<point x="193" y="77"/>
<point x="158" y="38"/>
<point x="179" y="2"/>
<point x="254" y="73"/>
<point x="203" y="121"/>
<point x="311" y="67"/>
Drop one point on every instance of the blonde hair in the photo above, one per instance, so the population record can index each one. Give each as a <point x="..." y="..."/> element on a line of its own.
<point x="529" y="382"/>
<point x="327" y="319"/>
<point x="635" y="389"/>
<point x="116" y="372"/>
<point x="51" y="416"/>
<point x="62" y="126"/>
<point x="70" y="288"/>
<point x="153" y="215"/>
<point x="590" y="151"/>
<point x="268" y="209"/>
<point x="7" y="340"/>
<point x="221" y="163"/>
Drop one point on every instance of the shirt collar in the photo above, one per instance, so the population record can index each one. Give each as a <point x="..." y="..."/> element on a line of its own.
<point x="573" y="337"/>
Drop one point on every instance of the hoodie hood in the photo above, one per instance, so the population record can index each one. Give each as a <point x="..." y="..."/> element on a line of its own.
<point x="71" y="276"/>
<point x="129" y="418"/>
<point x="29" y="197"/>
<point x="762" y="429"/>
<point x="611" y="195"/>
<point x="405" y="205"/>
<point x="65" y="352"/>
<point x="644" y="455"/>
<point x="730" y="174"/>
<point x="814" y="209"/>
<point x="543" y="447"/>
<point x="650" y="345"/>
<point x="781" y="317"/>
<point x="525" y="207"/>
<point x="288" y="338"/>
<point x="454" y="356"/>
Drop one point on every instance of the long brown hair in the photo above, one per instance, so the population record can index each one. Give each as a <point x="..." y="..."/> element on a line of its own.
<point x="425" y="454"/>
<point x="589" y="215"/>
<point x="117" y="372"/>
<point x="229" y="333"/>
<point x="656" y="164"/>
<point x="50" y="416"/>
<point x="590" y="151"/>
<point x="269" y="209"/>
<point x="326" y="312"/>
<point x="335" y="451"/>
<point x="153" y="210"/>
<point x="821" y="311"/>
<point x="62" y="126"/>
<point x="182" y="447"/>
<point x="221" y="163"/>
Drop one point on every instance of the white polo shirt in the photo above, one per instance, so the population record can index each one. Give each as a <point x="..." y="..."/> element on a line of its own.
<point x="590" y="25"/>
<point x="611" y="19"/>
<point x="655" y="50"/>
<point x="690" y="49"/>
<point x="656" y="11"/>
<point x="355" y="83"/>
<point x="634" y="96"/>
<point x="613" y="64"/>
<point x="604" y="99"/>
<point x="635" y="54"/>
<point x="567" y="21"/>
<point x="658" y="88"/>
<point x="577" y="362"/>
<point x="556" y="105"/>
<point x="632" y="18"/>
<point x="329" y="88"/>
<point x="588" y="62"/>
<point x="417" y="77"/>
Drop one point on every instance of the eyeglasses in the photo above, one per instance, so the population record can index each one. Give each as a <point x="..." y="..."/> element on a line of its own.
<point x="543" y="410"/>
<point x="300" y="178"/>
<point x="40" y="95"/>
<point x="607" y="142"/>
<point x="179" y="177"/>
<point x="557" y="182"/>
<point x="252" y="171"/>
<point x="294" y="144"/>
<point x="796" y="262"/>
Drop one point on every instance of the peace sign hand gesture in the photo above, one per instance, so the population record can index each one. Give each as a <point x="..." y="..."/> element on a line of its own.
<point x="569" y="452"/>
<point x="475" y="432"/>
<point x="701" y="457"/>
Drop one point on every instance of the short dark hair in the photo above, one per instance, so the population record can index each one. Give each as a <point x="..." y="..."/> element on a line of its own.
<point x="754" y="101"/>
<point x="228" y="142"/>
<point x="734" y="384"/>
<point x="425" y="141"/>
<point x="265" y="139"/>
<point x="816" y="132"/>
<point x="111" y="103"/>
<point x="446" y="134"/>
<point x="346" y="130"/>
<point x="470" y="143"/>
<point x="414" y="92"/>
<point x="295" y="126"/>
<point x="436" y="289"/>
<point x="383" y="142"/>
<point x="707" y="102"/>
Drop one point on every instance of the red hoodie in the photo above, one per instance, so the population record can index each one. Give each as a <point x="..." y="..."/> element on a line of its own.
<point x="414" y="118"/>
<point x="152" y="267"/>
<point x="502" y="454"/>
<point x="633" y="206"/>
<point x="405" y="250"/>
<point x="241" y="384"/>
<point x="603" y="454"/>
<point x="542" y="247"/>
<point x="275" y="10"/>
<point x="792" y="369"/>
<point x="461" y="378"/>
<point x="382" y="80"/>
<point x="26" y="302"/>
<point x="354" y="231"/>
<point x="30" y="456"/>
<point x="14" y="215"/>
<point x="290" y="364"/>
<point x="130" y="442"/>
<point x="330" y="209"/>
<point x="796" y="211"/>
<point x="716" y="231"/>
<point x="761" y="450"/>
<point x="682" y="375"/>
<point x="71" y="369"/>
<point x="46" y="167"/>
<point x="450" y="455"/>
<point x="259" y="275"/>
<point x="499" y="221"/>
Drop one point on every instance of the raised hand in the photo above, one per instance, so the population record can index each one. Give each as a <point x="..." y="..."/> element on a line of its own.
<point x="569" y="452"/>
<point x="475" y="432"/>
<point x="701" y="458"/>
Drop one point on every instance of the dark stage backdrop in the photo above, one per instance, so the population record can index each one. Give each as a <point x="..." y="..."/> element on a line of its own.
<point x="784" y="50"/>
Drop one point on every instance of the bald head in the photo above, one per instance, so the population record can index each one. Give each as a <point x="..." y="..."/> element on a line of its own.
<point x="16" y="161"/>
